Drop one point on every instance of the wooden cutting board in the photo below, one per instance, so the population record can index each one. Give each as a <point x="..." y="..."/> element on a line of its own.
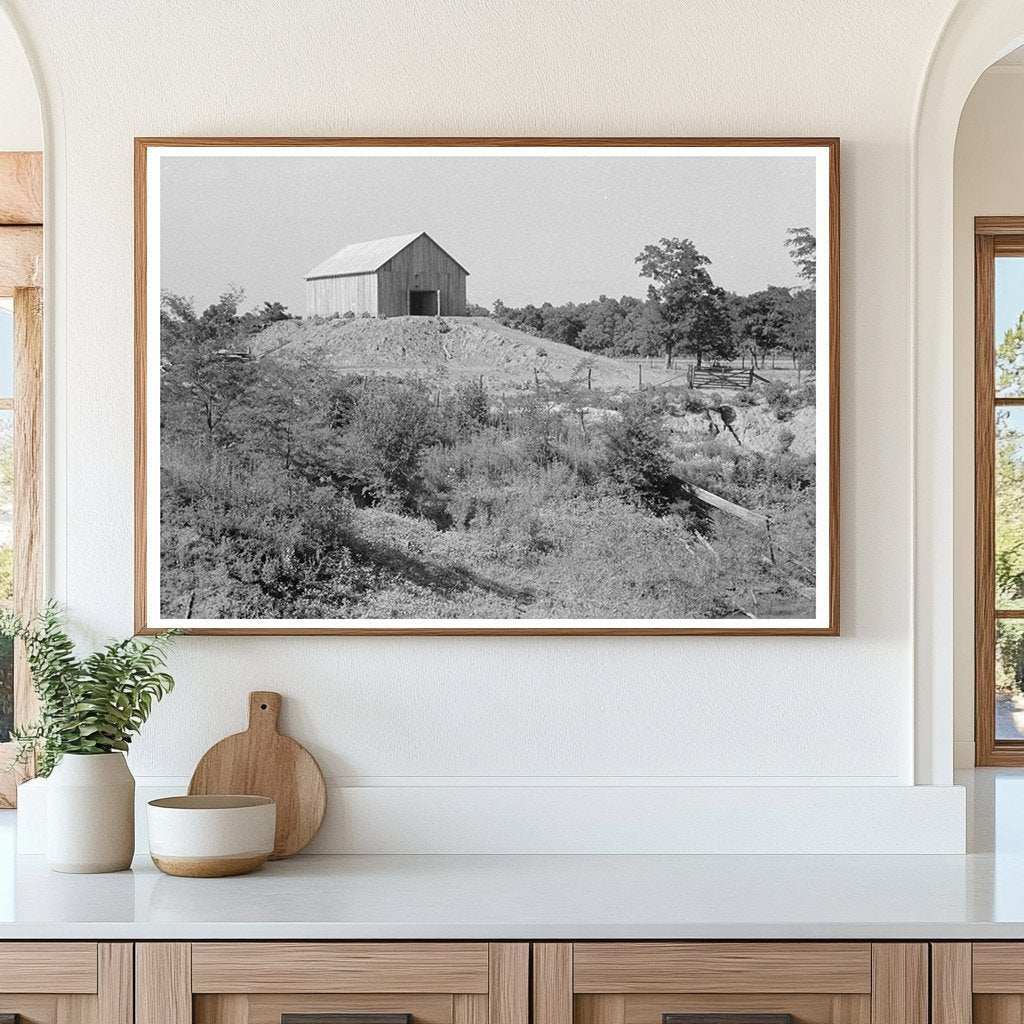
<point x="262" y="762"/>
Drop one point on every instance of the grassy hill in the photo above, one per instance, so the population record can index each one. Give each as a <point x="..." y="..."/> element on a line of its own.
<point x="456" y="348"/>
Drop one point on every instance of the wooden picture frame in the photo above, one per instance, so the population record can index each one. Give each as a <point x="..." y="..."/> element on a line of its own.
<point x="824" y="569"/>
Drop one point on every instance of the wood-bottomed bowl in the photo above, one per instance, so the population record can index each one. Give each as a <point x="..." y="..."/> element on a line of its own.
<point x="211" y="836"/>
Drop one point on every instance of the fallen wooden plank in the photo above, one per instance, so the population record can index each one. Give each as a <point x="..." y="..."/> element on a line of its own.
<point x="724" y="505"/>
<point x="21" y="258"/>
<point x="21" y="188"/>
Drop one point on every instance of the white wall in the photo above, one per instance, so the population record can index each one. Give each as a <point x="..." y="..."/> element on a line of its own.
<point x="987" y="181"/>
<point x="20" y="124"/>
<point x="438" y="715"/>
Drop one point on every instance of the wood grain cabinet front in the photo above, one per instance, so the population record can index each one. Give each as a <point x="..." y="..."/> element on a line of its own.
<point x="978" y="983"/>
<point x="66" y="982"/>
<point x="332" y="983"/>
<point x="730" y="983"/>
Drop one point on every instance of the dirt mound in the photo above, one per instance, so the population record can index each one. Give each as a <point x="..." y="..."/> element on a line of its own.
<point x="459" y="347"/>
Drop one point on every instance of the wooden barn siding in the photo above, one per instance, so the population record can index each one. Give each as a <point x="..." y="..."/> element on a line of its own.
<point x="356" y="292"/>
<point x="421" y="266"/>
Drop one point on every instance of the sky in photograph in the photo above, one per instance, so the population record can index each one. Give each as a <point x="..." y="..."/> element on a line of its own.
<point x="528" y="229"/>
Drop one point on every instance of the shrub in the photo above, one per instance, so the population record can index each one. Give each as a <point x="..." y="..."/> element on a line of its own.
<point x="638" y="459"/>
<point x="390" y="424"/>
<point x="782" y="399"/>
<point x="465" y="411"/>
<point x="693" y="401"/>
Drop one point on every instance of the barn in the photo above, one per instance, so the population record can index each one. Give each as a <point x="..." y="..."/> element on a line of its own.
<point x="400" y="276"/>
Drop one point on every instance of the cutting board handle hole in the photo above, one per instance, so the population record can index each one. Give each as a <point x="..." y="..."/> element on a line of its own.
<point x="263" y="707"/>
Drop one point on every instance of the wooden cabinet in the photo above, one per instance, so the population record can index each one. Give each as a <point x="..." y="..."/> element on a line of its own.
<point x="66" y="982"/>
<point x="978" y="983"/>
<point x="754" y="982"/>
<point x="306" y="982"/>
<point x="494" y="983"/>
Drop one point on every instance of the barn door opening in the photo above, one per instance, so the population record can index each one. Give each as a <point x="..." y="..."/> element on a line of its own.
<point x="424" y="303"/>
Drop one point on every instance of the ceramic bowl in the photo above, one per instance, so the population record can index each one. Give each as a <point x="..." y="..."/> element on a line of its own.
<point x="211" y="836"/>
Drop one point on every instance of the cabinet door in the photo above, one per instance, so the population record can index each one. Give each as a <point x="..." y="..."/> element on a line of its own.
<point x="979" y="982"/>
<point x="332" y="983"/>
<point x="65" y="983"/>
<point x="730" y="983"/>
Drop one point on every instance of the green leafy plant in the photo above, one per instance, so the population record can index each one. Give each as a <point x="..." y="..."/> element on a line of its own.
<point x="90" y="705"/>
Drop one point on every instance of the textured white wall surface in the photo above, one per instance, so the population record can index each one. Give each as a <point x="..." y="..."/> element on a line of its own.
<point x="21" y="126"/>
<point x="692" y="711"/>
<point x="987" y="181"/>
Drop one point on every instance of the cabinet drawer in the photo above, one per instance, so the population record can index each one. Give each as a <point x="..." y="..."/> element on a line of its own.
<point x="332" y="983"/>
<point x="634" y="967"/>
<point x="730" y="983"/>
<point x="340" y="967"/>
<point x="65" y="967"/>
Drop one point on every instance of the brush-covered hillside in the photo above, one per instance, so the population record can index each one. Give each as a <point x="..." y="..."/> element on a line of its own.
<point x="458" y="468"/>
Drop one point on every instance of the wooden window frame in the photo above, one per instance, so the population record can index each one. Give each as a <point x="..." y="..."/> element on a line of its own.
<point x="993" y="237"/>
<point x="21" y="272"/>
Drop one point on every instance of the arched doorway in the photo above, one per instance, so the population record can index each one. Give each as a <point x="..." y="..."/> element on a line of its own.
<point x="975" y="35"/>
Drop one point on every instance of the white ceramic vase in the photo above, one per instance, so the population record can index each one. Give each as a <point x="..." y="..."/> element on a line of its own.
<point x="90" y="814"/>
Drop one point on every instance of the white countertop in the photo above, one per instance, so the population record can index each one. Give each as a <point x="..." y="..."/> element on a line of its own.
<point x="496" y="897"/>
<point x="977" y="896"/>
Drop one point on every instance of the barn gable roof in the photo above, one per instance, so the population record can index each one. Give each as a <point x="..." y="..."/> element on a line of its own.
<point x="367" y="257"/>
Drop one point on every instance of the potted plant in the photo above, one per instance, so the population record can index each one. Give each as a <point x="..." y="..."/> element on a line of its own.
<point x="90" y="708"/>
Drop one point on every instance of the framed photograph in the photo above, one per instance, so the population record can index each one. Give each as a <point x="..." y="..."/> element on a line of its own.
<point x="494" y="386"/>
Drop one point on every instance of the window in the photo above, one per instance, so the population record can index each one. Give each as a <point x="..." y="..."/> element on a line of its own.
<point x="6" y="512"/>
<point x="999" y="490"/>
<point x="21" y="364"/>
<point x="20" y="502"/>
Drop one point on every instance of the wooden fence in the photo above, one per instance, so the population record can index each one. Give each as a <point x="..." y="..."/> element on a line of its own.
<point x="726" y="377"/>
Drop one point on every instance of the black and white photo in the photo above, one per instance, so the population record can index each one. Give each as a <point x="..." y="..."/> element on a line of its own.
<point x="487" y="386"/>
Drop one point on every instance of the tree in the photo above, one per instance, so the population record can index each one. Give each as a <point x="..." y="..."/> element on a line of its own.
<point x="693" y="310"/>
<point x="199" y="365"/>
<point x="766" y="319"/>
<point x="803" y="250"/>
<point x="1009" y="472"/>
<point x="710" y="329"/>
<point x="1010" y="361"/>
<point x="804" y="314"/>
<point x="563" y="324"/>
<point x="1009" y="500"/>
<point x="601" y="325"/>
<point x="271" y="313"/>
